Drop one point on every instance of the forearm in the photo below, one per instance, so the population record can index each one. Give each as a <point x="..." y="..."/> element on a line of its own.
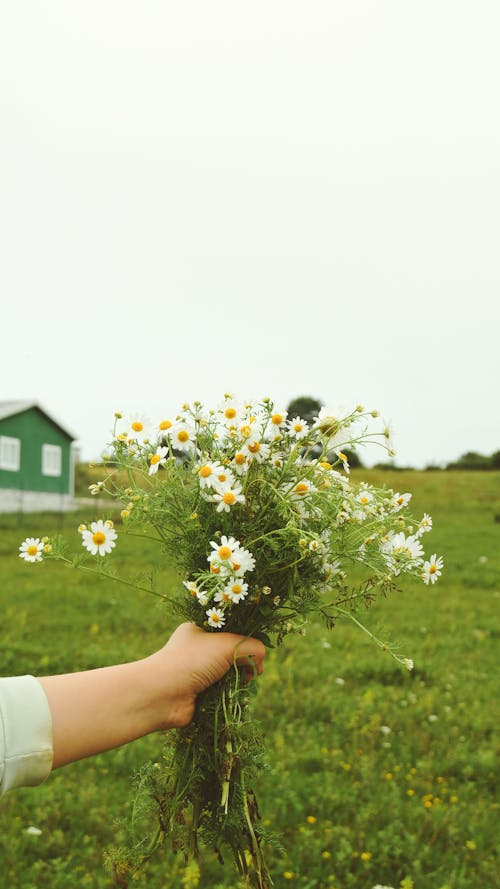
<point x="97" y="710"/>
<point x="100" y="709"/>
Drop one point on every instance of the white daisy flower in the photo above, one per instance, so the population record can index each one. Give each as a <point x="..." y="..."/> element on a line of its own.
<point x="332" y="568"/>
<point x="223" y="597"/>
<point x="249" y="431"/>
<point x="164" y="426"/>
<point x="240" y="462"/>
<point x="95" y="488"/>
<point x="302" y="489"/>
<point x="277" y="460"/>
<point x="100" y="539"/>
<point x="400" y="500"/>
<point x="278" y="417"/>
<point x="343" y="459"/>
<point x="298" y="428"/>
<point x="231" y="411"/>
<point x="157" y="459"/>
<point x="425" y="525"/>
<point x="222" y="554"/>
<point x="216" y="618"/>
<point x="225" y="548"/>
<point x="432" y="569"/>
<point x="138" y="428"/>
<point x="223" y="479"/>
<point x="191" y="587"/>
<point x="402" y="553"/>
<point x="182" y="435"/>
<point x="208" y="472"/>
<point x="242" y="561"/>
<point x="228" y="496"/>
<point x="31" y="549"/>
<point x="364" y="498"/>
<point x="195" y="591"/>
<point x="257" y="450"/>
<point x="277" y="423"/>
<point x="236" y="589"/>
<point x="330" y="418"/>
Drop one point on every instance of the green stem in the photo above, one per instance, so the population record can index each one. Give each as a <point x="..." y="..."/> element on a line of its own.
<point x="115" y="577"/>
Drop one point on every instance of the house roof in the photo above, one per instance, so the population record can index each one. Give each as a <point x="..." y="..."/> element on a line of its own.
<point x="10" y="408"/>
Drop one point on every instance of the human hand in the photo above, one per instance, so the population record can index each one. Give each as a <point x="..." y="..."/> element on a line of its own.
<point x="190" y="662"/>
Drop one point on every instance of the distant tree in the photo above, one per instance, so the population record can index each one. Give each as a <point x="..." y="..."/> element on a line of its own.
<point x="471" y="460"/>
<point x="495" y="460"/>
<point x="305" y="407"/>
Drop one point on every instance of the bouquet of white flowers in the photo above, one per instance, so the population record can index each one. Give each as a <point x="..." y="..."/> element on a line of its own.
<point x="259" y="515"/>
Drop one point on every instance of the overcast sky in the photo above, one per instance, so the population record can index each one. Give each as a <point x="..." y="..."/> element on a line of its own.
<point x="271" y="198"/>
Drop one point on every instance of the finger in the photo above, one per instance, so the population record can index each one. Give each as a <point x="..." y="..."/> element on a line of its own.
<point x="247" y="648"/>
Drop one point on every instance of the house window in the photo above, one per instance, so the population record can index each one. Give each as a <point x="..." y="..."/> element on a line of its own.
<point x="51" y="459"/>
<point x="10" y="453"/>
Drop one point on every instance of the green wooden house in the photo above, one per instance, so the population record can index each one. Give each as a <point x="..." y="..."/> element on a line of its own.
<point x="36" y="459"/>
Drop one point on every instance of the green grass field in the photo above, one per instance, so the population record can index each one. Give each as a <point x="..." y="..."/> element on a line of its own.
<point x="376" y="775"/>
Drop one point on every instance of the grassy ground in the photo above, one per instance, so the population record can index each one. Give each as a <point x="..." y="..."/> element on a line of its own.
<point x="375" y="775"/>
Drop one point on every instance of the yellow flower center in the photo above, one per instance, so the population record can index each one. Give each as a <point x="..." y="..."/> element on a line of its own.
<point x="364" y="500"/>
<point x="236" y="567"/>
<point x="239" y="459"/>
<point x="155" y="459"/>
<point x="183" y="436"/>
<point x="254" y="448"/>
<point x="222" y="477"/>
<point x="215" y="618"/>
<point x="432" y="569"/>
<point x="325" y="464"/>
<point x="205" y="471"/>
<point x="246" y="431"/>
<point x="230" y="413"/>
<point x="137" y="426"/>
<point x="344" y="458"/>
<point x="298" y="427"/>
<point x="32" y="550"/>
<point x="277" y="419"/>
<point x="236" y="589"/>
<point x="224" y="552"/>
<point x="98" y="538"/>
<point x="301" y="488"/>
<point x="214" y="569"/>
<point x="228" y="498"/>
<point x="165" y="424"/>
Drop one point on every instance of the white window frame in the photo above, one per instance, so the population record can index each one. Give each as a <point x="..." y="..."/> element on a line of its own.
<point x="10" y="453"/>
<point x="52" y="460"/>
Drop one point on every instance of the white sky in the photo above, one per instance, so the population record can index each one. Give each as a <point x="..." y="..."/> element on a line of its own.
<point x="275" y="198"/>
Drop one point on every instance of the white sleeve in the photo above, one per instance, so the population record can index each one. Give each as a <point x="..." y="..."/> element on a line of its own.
<point x="25" y="733"/>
